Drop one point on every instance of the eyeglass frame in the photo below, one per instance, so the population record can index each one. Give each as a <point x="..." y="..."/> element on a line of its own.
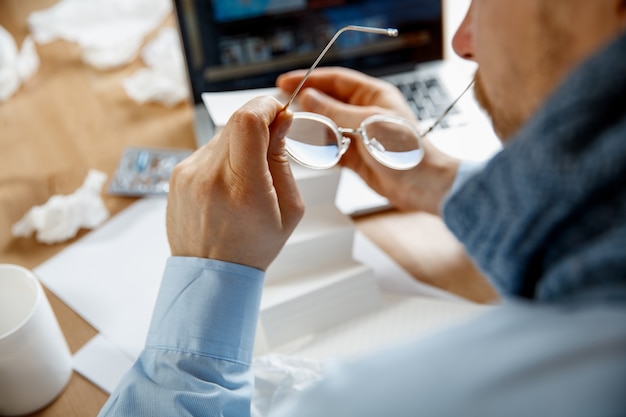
<point x="344" y="142"/>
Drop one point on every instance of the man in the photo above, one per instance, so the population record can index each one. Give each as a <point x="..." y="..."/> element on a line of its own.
<point x="545" y="219"/>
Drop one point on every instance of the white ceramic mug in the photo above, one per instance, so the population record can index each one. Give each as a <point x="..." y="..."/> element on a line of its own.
<point x="35" y="361"/>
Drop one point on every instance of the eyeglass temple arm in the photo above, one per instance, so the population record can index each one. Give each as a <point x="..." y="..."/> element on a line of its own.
<point x="380" y="31"/>
<point x="447" y="110"/>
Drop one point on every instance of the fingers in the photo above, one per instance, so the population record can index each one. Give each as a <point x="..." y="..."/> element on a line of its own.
<point x="235" y="198"/>
<point x="346" y="115"/>
<point x="344" y="84"/>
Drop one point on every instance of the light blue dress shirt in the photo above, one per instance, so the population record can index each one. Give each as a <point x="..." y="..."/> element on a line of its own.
<point x="198" y="352"/>
<point x="519" y="359"/>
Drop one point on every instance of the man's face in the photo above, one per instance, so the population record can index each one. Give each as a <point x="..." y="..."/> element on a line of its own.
<point x="524" y="49"/>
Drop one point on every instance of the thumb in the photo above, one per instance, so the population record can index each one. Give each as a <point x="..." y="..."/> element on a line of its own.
<point x="289" y="198"/>
<point x="278" y="131"/>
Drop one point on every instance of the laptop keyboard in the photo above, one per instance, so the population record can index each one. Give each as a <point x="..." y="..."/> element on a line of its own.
<point x="428" y="99"/>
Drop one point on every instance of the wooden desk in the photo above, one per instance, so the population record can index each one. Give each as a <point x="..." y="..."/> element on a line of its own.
<point x="70" y="118"/>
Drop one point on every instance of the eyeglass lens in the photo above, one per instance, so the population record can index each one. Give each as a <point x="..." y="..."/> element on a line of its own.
<point x="393" y="144"/>
<point x="313" y="143"/>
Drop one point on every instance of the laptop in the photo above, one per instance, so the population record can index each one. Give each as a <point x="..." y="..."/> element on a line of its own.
<point x="234" y="50"/>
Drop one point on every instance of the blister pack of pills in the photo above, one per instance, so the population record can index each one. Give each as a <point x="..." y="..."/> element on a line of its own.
<point x="145" y="171"/>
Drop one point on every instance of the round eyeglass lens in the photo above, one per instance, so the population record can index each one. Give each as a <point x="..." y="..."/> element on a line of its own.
<point x="313" y="143"/>
<point x="394" y="143"/>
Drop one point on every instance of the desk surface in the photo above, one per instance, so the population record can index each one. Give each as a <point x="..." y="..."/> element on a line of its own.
<point x="70" y="118"/>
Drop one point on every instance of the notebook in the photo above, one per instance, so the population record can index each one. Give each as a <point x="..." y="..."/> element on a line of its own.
<point x="236" y="49"/>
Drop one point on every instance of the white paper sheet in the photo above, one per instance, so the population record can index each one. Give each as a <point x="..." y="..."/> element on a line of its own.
<point x="111" y="276"/>
<point x="104" y="363"/>
<point x="101" y="362"/>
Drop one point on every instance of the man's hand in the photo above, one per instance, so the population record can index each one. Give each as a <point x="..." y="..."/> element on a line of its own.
<point x="235" y="199"/>
<point x="348" y="97"/>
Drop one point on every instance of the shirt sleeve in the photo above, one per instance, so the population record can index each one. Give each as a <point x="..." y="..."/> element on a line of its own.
<point x="199" y="347"/>
<point x="515" y="360"/>
<point x="518" y="359"/>
<point x="465" y="172"/>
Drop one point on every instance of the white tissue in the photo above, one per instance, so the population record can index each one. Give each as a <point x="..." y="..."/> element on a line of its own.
<point x="165" y="78"/>
<point x="110" y="32"/>
<point x="62" y="216"/>
<point x="16" y="67"/>
<point x="278" y="377"/>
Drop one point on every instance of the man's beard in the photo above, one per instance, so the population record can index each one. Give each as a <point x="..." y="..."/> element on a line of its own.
<point x="510" y="109"/>
<point x="504" y="123"/>
<point x="481" y="97"/>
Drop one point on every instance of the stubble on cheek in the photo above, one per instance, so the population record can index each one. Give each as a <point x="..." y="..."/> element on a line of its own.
<point x="509" y="106"/>
<point x="500" y="122"/>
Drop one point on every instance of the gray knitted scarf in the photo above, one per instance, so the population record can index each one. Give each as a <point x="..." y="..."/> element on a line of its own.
<point x="546" y="218"/>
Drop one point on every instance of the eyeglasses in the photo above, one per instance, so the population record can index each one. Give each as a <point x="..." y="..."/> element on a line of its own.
<point x="315" y="141"/>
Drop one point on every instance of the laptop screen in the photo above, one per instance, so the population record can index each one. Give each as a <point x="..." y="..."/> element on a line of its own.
<point x="243" y="44"/>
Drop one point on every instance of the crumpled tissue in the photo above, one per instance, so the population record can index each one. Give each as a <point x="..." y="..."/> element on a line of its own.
<point x="16" y="67"/>
<point x="110" y="32"/>
<point x="62" y="216"/>
<point x="278" y="377"/>
<point x="165" y="78"/>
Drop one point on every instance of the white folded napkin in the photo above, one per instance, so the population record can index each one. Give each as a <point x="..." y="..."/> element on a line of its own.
<point x="164" y="80"/>
<point x="110" y="32"/>
<point x="62" y="216"/>
<point x="279" y="377"/>
<point x="16" y="66"/>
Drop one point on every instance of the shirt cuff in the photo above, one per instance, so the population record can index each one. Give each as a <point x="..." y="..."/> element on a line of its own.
<point x="207" y="307"/>
<point x="466" y="170"/>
